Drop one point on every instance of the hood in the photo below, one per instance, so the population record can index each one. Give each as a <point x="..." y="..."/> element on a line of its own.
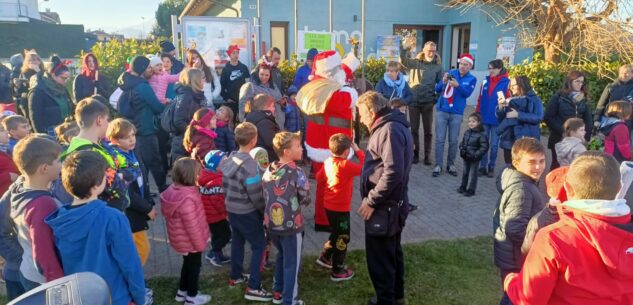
<point x="276" y="170"/>
<point x="568" y="143"/>
<point x="181" y="89"/>
<point x="75" y="223"/>
<point x="208" y="177"/>
<point x="608" y="124"/>
<point x="257" y="116"/>
<point x="233" y="163"/>
<point x="172" y="198"/>
<point x="389" y="115"/>
<point x="611" y="237"/>
<point x="128" y="81"/>
<point x="509" y="177"/>
<point x="21" y="196"/>
<point x="608" y="208"/>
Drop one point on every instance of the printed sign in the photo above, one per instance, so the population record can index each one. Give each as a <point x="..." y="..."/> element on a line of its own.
<point x="322" y="41"/>
<point x="388" y="47"/>
<point x="506" y="47"/>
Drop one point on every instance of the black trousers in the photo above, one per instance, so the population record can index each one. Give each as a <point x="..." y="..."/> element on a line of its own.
<point x="507" y="156"/>
<point x="190" y="273"/>
<point x="146" y="151"/>
<point x="336" y="247"/>
<point x="555" y="163"/>
<point x="385" y="262"/>
<point x="425" y="111"/>
<point x="220" y="235"/>
<point x="470" y="170"/>
<point x="163" y="147"/>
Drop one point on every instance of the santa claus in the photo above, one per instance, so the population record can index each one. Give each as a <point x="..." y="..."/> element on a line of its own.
<point x="330" y="106"/>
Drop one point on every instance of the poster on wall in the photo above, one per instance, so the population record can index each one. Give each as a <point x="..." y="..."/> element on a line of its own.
<point x="212" y="36"/>
<point x="388" y="47"/>
<point x="321" y="41"/>
<point x="506" y="47"/>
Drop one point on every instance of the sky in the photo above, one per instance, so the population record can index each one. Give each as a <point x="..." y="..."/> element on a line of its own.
<point x="128" y="17"/>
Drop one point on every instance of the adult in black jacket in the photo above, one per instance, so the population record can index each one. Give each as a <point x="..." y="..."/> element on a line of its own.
<point x="620" y="89"/>
<point x="89" y="79"/>
<point x="48" y="100"/>
<point x="189" y="98"/>
<point x="263" y="117"/>
<point x="569" y="102"/>
<point x="384" y="185"/>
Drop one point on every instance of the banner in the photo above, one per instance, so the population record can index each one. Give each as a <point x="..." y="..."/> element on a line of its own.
<point x="388" y="47"/>
<point x="322" y="41"/>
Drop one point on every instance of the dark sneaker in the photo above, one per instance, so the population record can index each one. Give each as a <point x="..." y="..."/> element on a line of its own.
<point x="324" y="262"/>
<point x="427" y="161"/>
<point x="416" y="159"/>
<point x="374" y="301"/>
<point x="469" y="193"/>
<point x="482" y="172"/>
<point x="234" y="282"/>
<point x="411" y="207"/>
<point x="277" y="298"/>
<point x="344" y="275"/>
<point x="437" y="171"/>
<point x="461" y="189"/>
<point x="491" y="173"/>
<point x="452" y="170"/>
<point x="259" y="295"/>
<point x="210" y="257"/>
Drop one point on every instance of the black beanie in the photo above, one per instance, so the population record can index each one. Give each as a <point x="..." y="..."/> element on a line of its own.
<point x="140" y="64"/>
<point x="166" y="46"/>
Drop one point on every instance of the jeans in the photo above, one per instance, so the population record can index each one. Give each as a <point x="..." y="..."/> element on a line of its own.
<point x="220" y="235"/>
<point x="446" y="123"/>
<point x="426" y="112"/>
<point x="385" y="263"/>
<point x="247" y="227"/>
<point x="148" y="154"/>
<point x="287" y="266"/>
<point x="470" y="169"/>
<point x="490" y="157"/>
<point x="14" y="289"/>
<point x="190" y="273"/>
<point x="336" y="247"/>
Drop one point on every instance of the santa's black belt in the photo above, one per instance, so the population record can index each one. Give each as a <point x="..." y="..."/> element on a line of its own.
<point x="319" y="119"/>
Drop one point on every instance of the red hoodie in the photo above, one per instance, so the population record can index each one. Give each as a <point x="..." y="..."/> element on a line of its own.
<point x="582" y="259"/>
<point x="6" y="168"/>
<point x="212" y="195"/>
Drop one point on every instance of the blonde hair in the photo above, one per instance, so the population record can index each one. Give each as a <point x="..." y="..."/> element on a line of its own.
<point x="619" y="109"/>
<point x="66" y="131"/>
<point x="283" y="140"/>
<point x="594" y="175"/>
<point x="120" y="128"/>
<point x="229" y="115"/>
<point x="192" y="78"/>
<point x="245" y="133"/>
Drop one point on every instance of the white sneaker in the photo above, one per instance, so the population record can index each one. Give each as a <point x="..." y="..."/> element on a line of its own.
<point x="180" y="296"/>
<point x="199" y="299"/>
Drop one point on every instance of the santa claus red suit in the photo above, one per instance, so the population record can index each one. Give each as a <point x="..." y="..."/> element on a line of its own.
<point x="330" y="106"/>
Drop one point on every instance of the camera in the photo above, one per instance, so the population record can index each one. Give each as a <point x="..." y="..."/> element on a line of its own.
<point x="450" y="77"/>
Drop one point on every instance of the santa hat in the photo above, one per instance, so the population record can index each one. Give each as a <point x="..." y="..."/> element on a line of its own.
<point x="467" y="58"/>
<point x="350" y="64"/>
<point x="326" y="64"/>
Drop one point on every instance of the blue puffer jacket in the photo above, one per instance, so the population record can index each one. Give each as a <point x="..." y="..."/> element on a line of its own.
<point x="225" y="140"/>
<point x="293" y="118"/>
<point x="466" y="87"/>
<point x="527" y="124"/>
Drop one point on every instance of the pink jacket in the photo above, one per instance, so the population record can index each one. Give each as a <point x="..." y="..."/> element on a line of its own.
<point x="187" y="227"/>
<point x="159" y="83"/>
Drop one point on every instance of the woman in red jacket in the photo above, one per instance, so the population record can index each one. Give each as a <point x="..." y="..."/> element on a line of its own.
<point x="186" y="227"/>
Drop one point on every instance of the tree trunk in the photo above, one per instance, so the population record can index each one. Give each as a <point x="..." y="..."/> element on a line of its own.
<point x="551" y="53"/>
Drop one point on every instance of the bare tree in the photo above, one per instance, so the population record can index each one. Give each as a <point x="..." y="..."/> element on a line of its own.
<point x="573" y="30"/>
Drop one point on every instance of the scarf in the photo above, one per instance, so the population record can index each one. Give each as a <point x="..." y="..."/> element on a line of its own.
<point x="58" y="93"/>
<point x="398" y="84"/>
<point x="449" y="94"/>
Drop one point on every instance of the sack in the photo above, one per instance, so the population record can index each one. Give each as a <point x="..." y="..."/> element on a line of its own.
<point x="385" y="221"/>
<point x="167" y="118"/>
<point x="124" y="105"/>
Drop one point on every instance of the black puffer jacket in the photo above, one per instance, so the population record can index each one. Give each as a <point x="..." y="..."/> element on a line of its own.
<point x="474" y="145"/>
<point x="188" y="103"/>
<point x="520" y="200"/>
<point x="267" y="128"/>
<point x="560" y="108"/>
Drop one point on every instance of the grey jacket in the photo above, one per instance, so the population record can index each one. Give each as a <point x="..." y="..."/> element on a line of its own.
<point x="520" y="200"/>
<point x="242" y="182"/>
<point x="423" y="76"/>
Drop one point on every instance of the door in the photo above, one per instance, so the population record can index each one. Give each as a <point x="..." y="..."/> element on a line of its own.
<point x="422" y="34"/>
<point x="279" y="37"/>
<point x="460" y="42"/>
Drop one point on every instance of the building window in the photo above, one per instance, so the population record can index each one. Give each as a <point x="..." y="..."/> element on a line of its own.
<point x="422" y="34"/>
<point x="279" y="37"/>
<point x="460" y="42"/>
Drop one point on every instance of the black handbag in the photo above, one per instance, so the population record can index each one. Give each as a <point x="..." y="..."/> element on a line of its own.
<point x="384" y="221"/>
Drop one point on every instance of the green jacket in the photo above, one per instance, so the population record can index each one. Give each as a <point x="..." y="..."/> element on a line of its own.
<point x="423" y="75"/>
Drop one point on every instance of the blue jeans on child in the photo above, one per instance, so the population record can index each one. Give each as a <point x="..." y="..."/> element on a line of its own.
<point x="489" y="162"/>
<point x="247" y="227"/>
<point x="286" y="278"/>
<point x="13" y="284"/>
<point x="446" y="123"/>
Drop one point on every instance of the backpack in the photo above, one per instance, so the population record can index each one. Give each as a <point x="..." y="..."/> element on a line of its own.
<point x="124" y="105"/>
<point x="168" y="116"/>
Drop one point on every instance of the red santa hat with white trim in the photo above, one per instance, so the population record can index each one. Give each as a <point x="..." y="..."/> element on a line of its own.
<point x="326" y="64"/>
<point x="350" y="64"/>
<point x="467" y="58"/>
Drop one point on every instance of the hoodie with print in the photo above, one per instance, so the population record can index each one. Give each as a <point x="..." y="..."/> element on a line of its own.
<point x="286" y="190"/>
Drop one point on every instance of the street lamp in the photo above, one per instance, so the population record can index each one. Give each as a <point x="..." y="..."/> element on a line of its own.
<point x="143" y="25"/>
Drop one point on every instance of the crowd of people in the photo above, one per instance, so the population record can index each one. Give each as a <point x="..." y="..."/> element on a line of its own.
<point x="75" y="178"/>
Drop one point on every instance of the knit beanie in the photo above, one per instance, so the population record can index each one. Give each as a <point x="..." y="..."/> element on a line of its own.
<point x="166" y="46"/>
<point x="213" y="159"/>
<point x="140" y="64"/>
<point x="154" y="60"/>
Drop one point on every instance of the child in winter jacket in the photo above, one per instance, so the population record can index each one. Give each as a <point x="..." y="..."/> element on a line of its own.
<point x="199" y="138"/>
<point x="160" y="79"/>
<point x="286" y="190"/>
<point x="393" y="85"/>
<point x="472" y="149"/>
<point x="210" y="182"/>
<point x="294" y="118"/>
<point x="224" y="128"/>
<point x="91" y="237"/>
<point x="18" y="128"/>
<point x="617" y="141"/>
<point x="187" y="228"/>
<point x="594" y="233"/>
<point x="337" y="174"/>
<point x="245" y="204"/>
<point x="573" y="144"/>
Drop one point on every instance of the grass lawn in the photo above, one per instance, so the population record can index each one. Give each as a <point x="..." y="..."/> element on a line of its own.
<point x="437" y="273"/>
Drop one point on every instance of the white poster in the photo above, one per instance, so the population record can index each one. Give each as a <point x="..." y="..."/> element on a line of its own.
<point x="506" y="48"/>
<point x="212" y="36"/>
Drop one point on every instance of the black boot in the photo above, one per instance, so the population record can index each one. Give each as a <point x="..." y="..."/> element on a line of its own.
<point x="416" y="157"/>
<point x="426" y="160"/>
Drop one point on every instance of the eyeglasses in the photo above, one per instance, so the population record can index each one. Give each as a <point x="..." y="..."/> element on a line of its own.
<point x="579" y="81"/>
